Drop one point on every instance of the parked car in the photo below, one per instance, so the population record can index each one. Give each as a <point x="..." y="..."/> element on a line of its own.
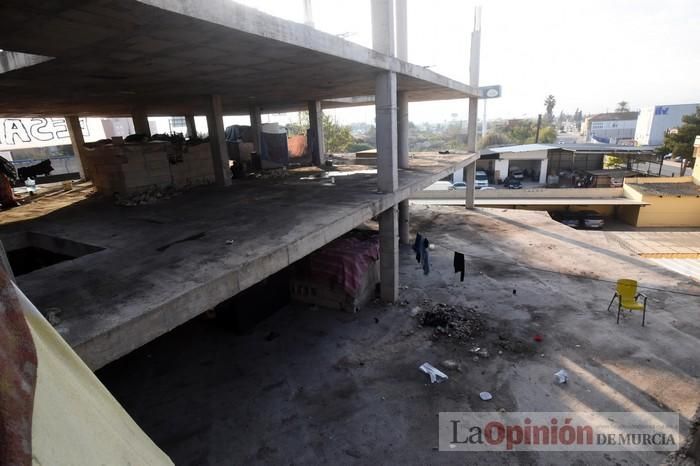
<point x="439" y="186"/>
<point x="511" y="183"/>
<point x="591" y="219"/>
<point x="486" y="188"/>
<point x="517" y="173"/>
<point x="459" y="185"/>
<point x="481" y="179"/>
<point x="570" y="219"/>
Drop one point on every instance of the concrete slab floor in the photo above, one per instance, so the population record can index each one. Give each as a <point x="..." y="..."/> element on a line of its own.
<point x="164" y="263"/>
<point x="345" y="388"/>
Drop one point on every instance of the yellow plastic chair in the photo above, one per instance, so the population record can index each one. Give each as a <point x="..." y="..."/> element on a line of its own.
<point x="627" y="296"/>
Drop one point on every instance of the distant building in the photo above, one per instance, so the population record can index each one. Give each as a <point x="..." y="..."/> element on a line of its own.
<point x="611" y="128"/>
<point x="653" y="122"/>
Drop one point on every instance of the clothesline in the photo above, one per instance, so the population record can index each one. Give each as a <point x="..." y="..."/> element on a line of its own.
<point x="538" y="269"/>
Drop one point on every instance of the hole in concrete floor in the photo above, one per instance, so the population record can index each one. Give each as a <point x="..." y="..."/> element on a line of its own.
<point x="31" y="251"/>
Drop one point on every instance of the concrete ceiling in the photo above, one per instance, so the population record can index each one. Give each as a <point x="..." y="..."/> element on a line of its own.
<point x="111" y="56"/>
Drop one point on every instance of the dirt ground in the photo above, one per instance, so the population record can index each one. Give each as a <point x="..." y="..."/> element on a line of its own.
<point x="311" y="386"/>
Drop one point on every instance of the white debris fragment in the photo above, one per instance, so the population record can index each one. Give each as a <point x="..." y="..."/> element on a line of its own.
<point x="562" y="376"/>
<point x="436" y="375"/>
<point x="486" y="396"/>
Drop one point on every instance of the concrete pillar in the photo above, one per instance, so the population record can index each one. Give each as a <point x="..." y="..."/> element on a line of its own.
<point x="383" y="26"/>
<point x="402" y="30"/>
<point x="78" y="142"/>
<point x="469" y="171"/>
<point x="404" y="222"/>
<point x="470" y="179"/>
<point x="140" y="119"/>
<point x="543" y="171"/>
<point x="387" y="141"/>
<point x="256" y="125"/>
<point x="389" y="254"/>
<point x="318" y="142"/>
<point x="217" y="141"/>
<point x="402" y="136"/>
<point x="402" y="129"/>
<point x="191" y="125"/>
<point x="308" y="15"/>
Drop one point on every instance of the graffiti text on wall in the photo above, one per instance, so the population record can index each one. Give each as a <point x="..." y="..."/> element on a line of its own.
<point x="22" y="132"/>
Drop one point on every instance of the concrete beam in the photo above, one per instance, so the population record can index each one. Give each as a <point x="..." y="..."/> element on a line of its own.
<point x="78" y="142"/>
<point x="140" y="119"/>
<point x="389" y="254"/>
<point x="383" y="26"/>
<point x="387" y="143"/>
<point x="470" y="170"/>
<point x="191" y="125"/>
<point x="217" y="141"/>
<point x="255" y="125"/>
<point x="317" y="142"/>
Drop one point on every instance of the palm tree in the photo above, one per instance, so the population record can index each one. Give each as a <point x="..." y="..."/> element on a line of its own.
<point x="622" y="106"/>
<point x="549" y="104"/>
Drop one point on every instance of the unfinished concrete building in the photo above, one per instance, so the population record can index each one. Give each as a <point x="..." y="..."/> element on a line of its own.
<point x="136" y="273"/>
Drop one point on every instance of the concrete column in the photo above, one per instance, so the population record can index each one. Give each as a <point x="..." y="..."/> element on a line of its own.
<point x="217" y="141"/>
<point x="318" y="142"/>
<point x="402" y="30"/>
<point x="389" y="254"/>
<point x="308" y="15"/>
<point x="543" y="171"/>
<point x="78" y="142"/>
<point x="470" y="179"/>
<point x="402" y="130"/>
<point x="387" y="141"/>
<point x="404" y="222"/>
<point x="256" y="126"/>
<point x="469" y="171"/>
<point x="383" y="26"/>
<point x="140" y="119"/>
<point x="191" y="125"/>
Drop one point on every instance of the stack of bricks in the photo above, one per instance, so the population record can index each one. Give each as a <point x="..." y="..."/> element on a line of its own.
<point x="134" y="168"/>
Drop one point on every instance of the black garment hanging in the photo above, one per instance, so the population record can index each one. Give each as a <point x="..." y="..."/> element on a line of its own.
<point x="417" y="246"/>
<point x="459" y="265"/>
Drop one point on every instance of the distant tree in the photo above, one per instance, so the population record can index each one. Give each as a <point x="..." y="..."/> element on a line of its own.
<point x="549" y="104"/>
<point x="578" y="118"/>
<point x="680" y="142"/>
<point x="548" y="135"/>
<point x="494" y="139"/>
<point x="622" y="106"/>
<point x="338" y="137"/>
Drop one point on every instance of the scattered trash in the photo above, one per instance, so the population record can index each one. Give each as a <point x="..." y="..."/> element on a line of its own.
<point x="450" y="364"/>
<point x="475" y="359"/>
<point x="501" y="410"/>
<point x="486" y="396"/>
<point x="229" y="241"/>
<point x="403" y="303"/>
<point x="578" y="346"/>
<point x="436" y="376"/>
<point x="376" y="320"/>
<point x="149" y="196"/>
<point x="515" y="292"/>
<point x="542" y="355"/>
<point x="562" y="376"/>
<point x="456" y="322"/>
<point x="538" y="338"/>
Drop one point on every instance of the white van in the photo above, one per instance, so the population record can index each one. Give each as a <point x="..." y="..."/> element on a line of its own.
<point x="481" y="179"/>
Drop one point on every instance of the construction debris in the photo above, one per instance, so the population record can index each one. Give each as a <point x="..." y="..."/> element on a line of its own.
<point x="562" y="376"/>
<point x="436" y="375"/>
<point x="457" y="322"/>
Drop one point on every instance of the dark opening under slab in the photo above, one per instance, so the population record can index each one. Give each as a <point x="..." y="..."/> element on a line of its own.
<point x="31" y="251"/>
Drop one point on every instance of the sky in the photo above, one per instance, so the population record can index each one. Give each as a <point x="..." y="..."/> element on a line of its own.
<point x="590" y="54"/>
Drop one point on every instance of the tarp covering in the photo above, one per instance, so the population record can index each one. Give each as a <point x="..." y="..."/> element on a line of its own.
<point x="74" y="418"/>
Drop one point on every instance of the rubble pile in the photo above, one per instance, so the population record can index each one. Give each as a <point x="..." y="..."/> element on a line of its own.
<point x="150" y="196"/>
<point x="457" y="322"/>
